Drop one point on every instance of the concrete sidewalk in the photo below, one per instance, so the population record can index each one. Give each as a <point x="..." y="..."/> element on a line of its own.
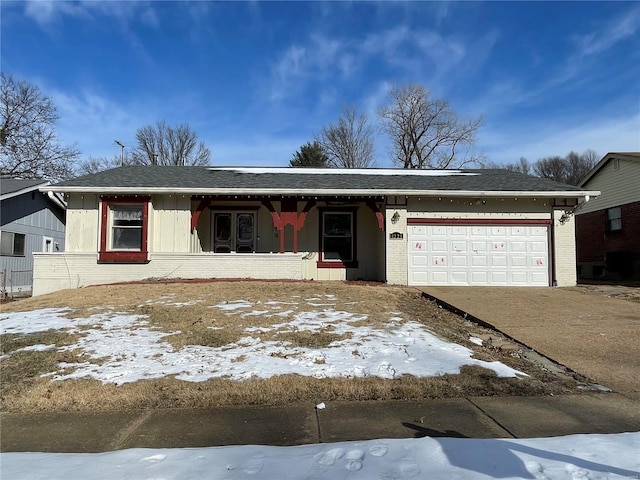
<point x="594" y="335"/>
<point x="477" y="417"/>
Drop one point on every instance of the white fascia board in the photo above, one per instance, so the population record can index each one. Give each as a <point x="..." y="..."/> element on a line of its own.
<point x="324" y="192"/>
<point x="21" y="192"/>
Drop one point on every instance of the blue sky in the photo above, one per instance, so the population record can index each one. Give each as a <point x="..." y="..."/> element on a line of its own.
<point x="256" y="80"/>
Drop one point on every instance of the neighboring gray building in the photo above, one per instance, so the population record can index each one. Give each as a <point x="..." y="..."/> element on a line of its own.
<point x="30" y="221"/>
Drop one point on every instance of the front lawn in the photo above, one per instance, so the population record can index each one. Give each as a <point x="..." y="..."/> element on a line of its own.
<point x="222" y="343"/>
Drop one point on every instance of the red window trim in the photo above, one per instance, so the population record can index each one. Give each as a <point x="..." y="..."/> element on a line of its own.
<point x="478" y="221"/>
<point x="123" y="256"/>
<point x="321" y="263"/>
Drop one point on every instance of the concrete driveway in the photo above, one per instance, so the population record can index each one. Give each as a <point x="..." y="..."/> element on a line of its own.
<point x="592" y="334"/>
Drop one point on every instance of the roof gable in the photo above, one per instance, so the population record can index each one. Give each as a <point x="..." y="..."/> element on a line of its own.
<point x="629" y="156"/>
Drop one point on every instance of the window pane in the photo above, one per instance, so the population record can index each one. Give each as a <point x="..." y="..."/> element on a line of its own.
<point x="127" y="238"/>
<point x="222" y="227"/>
<point x="336" y="248"/>
<point x="245" y="227"/>
<point x="6" y="243"/>
<point x="337" y="244"/>
<point x="613" y="213"/>
<point x="18" y="243"/>
<point x="615" y="224"/>
<point x="337" y="224"/>
<point x="127" y="213"/>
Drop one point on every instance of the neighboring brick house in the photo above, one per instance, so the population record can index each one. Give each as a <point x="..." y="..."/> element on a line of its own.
<point x="608" y="227"/>
<point x="408" y="227"/>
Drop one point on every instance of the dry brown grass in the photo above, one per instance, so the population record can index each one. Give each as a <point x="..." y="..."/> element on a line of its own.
<point x="22" y="389"/>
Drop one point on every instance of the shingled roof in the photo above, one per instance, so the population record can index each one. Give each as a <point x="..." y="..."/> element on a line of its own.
<point x="11" y="187"/>
<point x="300" y="181"/>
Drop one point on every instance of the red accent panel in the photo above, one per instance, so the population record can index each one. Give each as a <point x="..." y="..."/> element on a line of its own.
<point x="195" y="216"/>
<point x="124" y="257"/>
<point x="478" y="221"/>
<point x="379" y="215"/>
<point x="288" y="216"/>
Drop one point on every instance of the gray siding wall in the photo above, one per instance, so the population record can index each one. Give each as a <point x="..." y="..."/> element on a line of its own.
<point x="37" y="217"/>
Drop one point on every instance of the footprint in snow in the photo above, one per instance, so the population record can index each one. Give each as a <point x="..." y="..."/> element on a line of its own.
<point x="153" y="458"/>
<point x="253" y="466"/>
<point x="409" y="467"/>
<point x="354" y="460"/>
<point x="378" y="450"/>
<point x="329" y="457"/>
<point x="536" y="470"/>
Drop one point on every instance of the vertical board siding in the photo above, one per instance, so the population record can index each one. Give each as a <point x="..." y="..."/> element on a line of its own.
<point x="36" y="217"/>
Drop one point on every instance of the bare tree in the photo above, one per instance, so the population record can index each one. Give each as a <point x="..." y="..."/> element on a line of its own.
<point x="29" y="146"/>
<point x="570" y="169"/>
<point x="97" y="164"/>
<point x="349" y="142"/>
<point x="522" y="166"/>
<point x="310" y="155"/>
<point x="425" y="132"/>
<point x="165" y="145"/>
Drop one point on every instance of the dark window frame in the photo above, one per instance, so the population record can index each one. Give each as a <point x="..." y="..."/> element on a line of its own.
<point x="322" y="261"/>
<point x="107" y="253"/>
<point x="613" y="224"/>
<point x="23" y="243"/>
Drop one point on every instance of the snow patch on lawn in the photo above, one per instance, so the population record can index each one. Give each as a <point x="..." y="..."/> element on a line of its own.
<point x="126" y="348"/>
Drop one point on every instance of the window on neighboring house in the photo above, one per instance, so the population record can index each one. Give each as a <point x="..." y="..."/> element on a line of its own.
<point x="337" y="238"/>
<point x="234" y="232"/>
<point x="123" y="237"/>
<point x="12" y="244"/>
<point x="614" y="219"/>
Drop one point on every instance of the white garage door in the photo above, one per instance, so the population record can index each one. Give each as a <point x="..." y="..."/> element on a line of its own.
<point x="479" y="255"/>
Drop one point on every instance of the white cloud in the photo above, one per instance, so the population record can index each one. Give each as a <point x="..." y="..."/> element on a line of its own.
<point x="610" y="33"/>
<point x="535" y="141"/>
<point x="46" y="12"/>
<point x="94" y="122"/>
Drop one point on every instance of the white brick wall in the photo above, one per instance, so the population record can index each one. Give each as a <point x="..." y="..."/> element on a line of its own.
<point x="396" y="249"/>
<point x="53" y="272"/>
<point x="565" y="250"/>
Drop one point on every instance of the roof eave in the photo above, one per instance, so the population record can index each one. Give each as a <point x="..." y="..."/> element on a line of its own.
<point x="17" y="193"/>
<point x="323" y="192"/>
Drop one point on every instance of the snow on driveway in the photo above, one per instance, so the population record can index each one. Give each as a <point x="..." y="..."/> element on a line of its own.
<point x="126" y="348"/>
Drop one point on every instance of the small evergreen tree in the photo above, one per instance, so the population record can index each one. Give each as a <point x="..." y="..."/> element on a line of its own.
<point x="310" y="155"/>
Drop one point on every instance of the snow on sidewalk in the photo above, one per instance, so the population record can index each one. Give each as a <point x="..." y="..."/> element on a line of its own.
<point x="587" y="457"/>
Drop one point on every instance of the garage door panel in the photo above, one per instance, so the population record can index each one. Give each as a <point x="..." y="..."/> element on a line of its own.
<point x="439" y="278"/>
<point x="459" y="278"/>
<point x="479" y="261"/>
<point x="498" y="261"/>
<point x="439" y="246"/>
<point x="538" y="247"/>
<point x="459" y="261"/>
<point x="418" y="261"/>
<point x="519" y="261"/>
<point x="517" y="246"/>
<point x="478" y="255"/>
<point x="479" y="277"/>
